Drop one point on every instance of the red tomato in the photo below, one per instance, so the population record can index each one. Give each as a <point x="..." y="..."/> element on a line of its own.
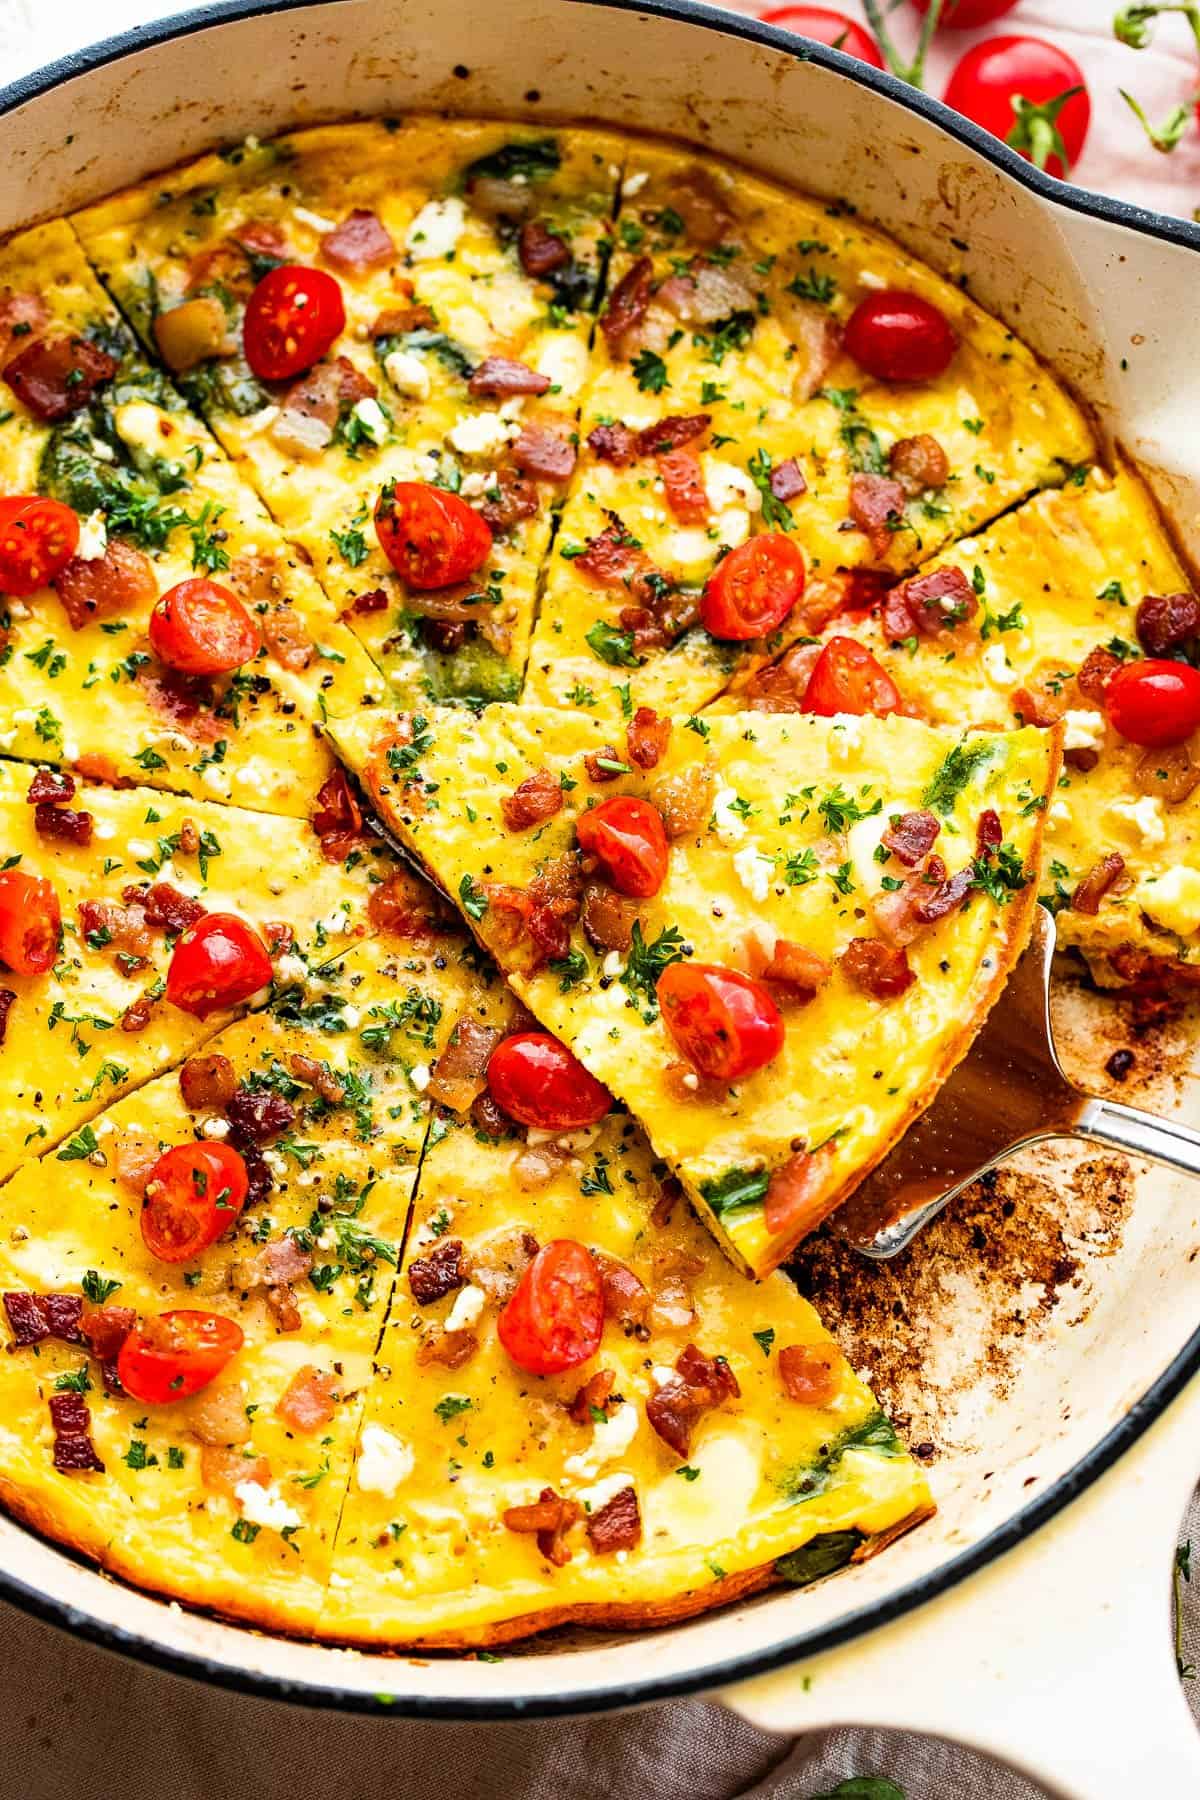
<point x="430" y="537"/>
<point x="554" y="1319"/>
<point x="726" y="1024"/>
<point x="1014" y="87"/>
<point x="175" y="1355"/>
<point x="538" y="1082"/>
<point x="754" y="588"/>
<point x="1154" y="703"/>
<point x="30" y="922"/>
<point x="846" y="678"/>
<point x="38" y="538"/>
<point x="897" y="336"/>
<point x="628" y="837"/>
<point x="967" y="15"/>
<point x="218" y="962"/>
<point x="825" y="27"/>
<point x="200" y="628"/>
<point x="292" y="317"/>
<point x="194" y="1193"/>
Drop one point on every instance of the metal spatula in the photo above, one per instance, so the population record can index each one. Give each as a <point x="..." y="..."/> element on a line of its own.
<point x="1007" y="1093"/>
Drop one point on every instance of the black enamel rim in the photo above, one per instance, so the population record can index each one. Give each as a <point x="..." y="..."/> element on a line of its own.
<point x="1140" y="1416"/>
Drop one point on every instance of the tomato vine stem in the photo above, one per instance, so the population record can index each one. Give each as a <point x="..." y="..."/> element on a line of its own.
<point x="912" y="71"/>
<point x="1132" y="26"/>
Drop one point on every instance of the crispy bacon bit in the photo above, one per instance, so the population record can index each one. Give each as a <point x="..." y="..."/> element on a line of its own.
<point x="286" y="636"/>
<point x="310" y="408"/>
<point x="793" y="1203"/>
<point x="672" y="1305"/>
<point x="616" y="444"/>
<point x="918" y="463"/>
<point x="318" y="1076"/>
<point x="699" y="1384"/>
<point x="20" y="316"/>
<point x="394" y="321"/>
<point x="489" y="1117"/>
<point x="595" y="1396"/>
<point x="1095" y="672"/>
<point x="780" y="687"/>
<point x="55" y="376"/>
<point x="360" y="242"/>
<point x="911" y="837"/>
<point x="138" y="1013"/>
<point x="946" y="896"/>
<point x="373" y="601"/>
<point x="671" y="433"/>
<point x="134" y="1154"/>
<point x="54" y="787"/>
<point x="434" y="1276"/>
<point x="626" y="1297"/>
<point x="683" y="485"/>
<point x="497" y="1264"/>
<point x="7" y="1002"/>
<point x="546" y="454"/>
<point x="627" y="303"/>
<point x="207" y="1083"/>
<point x="1170" y="773"/>
<point x="877" y="508"/>
<point x="512" y="500"/>
<point x="550" y="1518"/>
<point x="165" y="906"/>
<point x="798" y="972"/>
<point x="189" y="837"/>
<point x="555" y="893"/>
<point x="94" y="765"/>
<point x="617" y="1525"/>
<point x="33" y="1317"/>
<point x="120" y="581"/>
<point x="811" y="1373"/>
<point x="500" y="377"/>
<point x="536" y="798"/>
<point x="706" y="293"/>
<point x="257" y="1117"/>
<point x="787" y="480"/>
<point x="540" y="249"/>
<point x="595" y="759"/>
<point x="612" y="558"/>
<point x="880" y="969"/>
<point x="698" y="200"/>
<point x="185" y="701"/>
<point x="685" y="799"/>
<point x="407" y="907"/>
<point x="928" y="605"/>
<point x="989" y="833"/>
<point x="1096" y="884"/>
<point x="448" y="1349"/>
<point x="607" y="918"/>
<point x="647" y="737"/>
<point x="106" y="1328"/>
<point x="459" y="1074"/>
<point x="337" y="819"/>
<point x="274" y="1267"/>
<point x="74" y="1452"/>
<point x="63" y="824"/>
<point x="223" y="1468"/>
<point x="309" y="1400"/>
<point x="1165" y="622"/>
<point x="1044" y="699"/>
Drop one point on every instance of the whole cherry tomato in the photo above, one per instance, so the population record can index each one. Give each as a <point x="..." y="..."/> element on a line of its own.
<point x="38" y="538"/>
<point x="754" y="588"/>
<point x="846" y="678"/>
<point x="201" y="628"/>
<point x="193" y="1195"/>
<point x="627" y="836"/>
<point x="554" y="1319"/>
<point x="218" y="962"/>
<point x="968" y="15"/>
<point x="1028" y="92"/>
<point x="430" y="537"/>
<point x="726" y="1024"/>
<point x="30" y="922"/>
<point x="898" y="336"/>
<point x="538" y="1082"/>
<point x="175" y="1355"/>
<point x="826" y="27"/>
<point x="292" y="318"/>
<point x="1154" y="703"/>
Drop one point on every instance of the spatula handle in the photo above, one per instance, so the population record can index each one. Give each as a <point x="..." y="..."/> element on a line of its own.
<point x="1141" y="1134"/>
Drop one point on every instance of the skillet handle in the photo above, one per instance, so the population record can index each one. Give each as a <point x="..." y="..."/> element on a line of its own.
<point x="1141" y="1134"/>
<point x="1056" y="1658"/>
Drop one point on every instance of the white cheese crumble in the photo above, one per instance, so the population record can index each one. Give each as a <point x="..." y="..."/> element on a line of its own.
<point x="1173" y="901"/>
<point x="384" y="1461"/>
<point x="847" y="736"/>
<point x="214" y="777"/>
<point x="291" y="967"/>
<point x="565" y="360"/>
<point x="352" y="1016"/>
<point x="407" y="373"/>
<point x="266" y="1506"/>
<point x="371" y="417"/>
<point x="469" y="1303"/>
<point x="633" y="184"/>
<point x="435" y="231"/>
<point x="479" y="435"/>
<point x="733" y="498"/>
<point x="610" y="1438"/>
<point x="215" y="1128"/>
<point x="93" y="537"/>
<point x="420" y="1077"/>
<point x="729" y="827"/>
<point x="1084" y="730"/>
<point x="103" y="828"/>
<point x="314" y="220"/>
<point x="604" y="1490"/>
<point x="754" y="871"/>
<point x="1146" y="817"/>
<point x="612" y="964"/>
<point x="475" y="485"/>
<point x="997" y="667"/>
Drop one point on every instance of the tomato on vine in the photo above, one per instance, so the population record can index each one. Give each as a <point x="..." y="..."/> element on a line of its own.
<point x="1030" y="94"/>
<point x="824" y="26"/>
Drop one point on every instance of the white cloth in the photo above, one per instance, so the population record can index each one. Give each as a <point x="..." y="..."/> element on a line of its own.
<point x="79" y="1722"/>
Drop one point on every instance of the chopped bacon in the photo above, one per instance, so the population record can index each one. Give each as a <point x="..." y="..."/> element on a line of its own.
<point x="616" y="444"/>
<point x="227" y="263"/>
<point x="781" y="686"/>
<point x="607" y="918"/>
<point x="787" y="480"/>
<point x="1044" y="698"/>
<point x="513" y="499"/>
<point x="671" y="433"/>
<point x="879" y="969"/>
<point x="672" y="1305"/>
<point x="407" y="907"/>
<point x="277" y="936"/>
<point x="217" y="1415"/>
<point x="55" y="376"/>
<point x="52" y="786"/>
<point x="816" y="341"/>
<point x="120" y="581"/>
<point x="134" y="1154"/>
<point x="911" y="837"/>
<point x="373" y="601"/>
<point x="685" y="799"/>
<point x="877" y="508"/>
<point x="8" y="1000"/>
<point x="647" y="737"/>
<point x="138" y="1013"/>
<point x="544" y="453"/>
<point x="918" y="463"/>
<point x="550" y="1518"/>
<point x="359" y="243"/>
<point x="309" y="410"/>
<point x="460" y="1072"/>
<point x="20" y="316"/>
<point x="94" y="765"/>
<point x="286" y="636"/>
<point x="989" y="833"/>
<point x="683" y="484"/>
<point x="497" y="1264"/>
<point x="794" y="1202"/>
<point x="185" y="701"/>
<point x="1170" y="773"/>
<point x="261" y="237"/>
<point x="434" y="1276"/>
<point x="318" y="1076"/>
<point x="106" y="1328"/>
<point x="627" y="303"/>
<point x="700" y="1383"/>
<point x="929" y="604"/>
<point x="617" y="1525"/>
<point x="309" y="1400"/>
<point x="596" y="760"/>
<point x="105" y="925"/>
<point x="207" y="1083"/>
<point x="536" y="798"/>
<point x="165" y="906"/>
<point x="274" y="1267"/>
<point x="541" y="250"/>
<point x="799" y="972"/>
<point x="500" y="377"/>
<point x="488" y="1116"/>
<point x="224" y="1468"/>
<point x="74" y="1452"/>
<point x="337" y="819"/>
<point x="706" y="293"/>
<point x="613" y="557"/>
<point x="189" y="837"/>
<point x="1095" y="672"/>
<point x="259" y="1116"/>
<point x="698" y="200"/>
<point x="63" y="824"/>
<point x="626" y="1296"/>
<point x="448" y="1349"/>
<point x="34" y="1317"/>
<point x="1166" y="622"/>
<point x="811" y="1373"/>
<point x="595" y="1396"/>
<point x="395" y="321"/>
<point x="944" y="897"/>
<point x="1096" y="884"/>
<point x="555" y="895"/>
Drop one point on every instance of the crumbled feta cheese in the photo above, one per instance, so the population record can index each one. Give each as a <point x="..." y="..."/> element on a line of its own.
<point x="215" y="1128"/>
<point x="337" y="923"/>
<point x="1084" y="730"/>
<point x="687" y="548"/>
<point x="730" y="829"/>
<point x="291" y="967"/>
<point x="102" y="828"/>
<point x="612" y="964"/>
<point x="997" y="667"/>
<point x="727" y="485"/>
<point x="475" y="485"/>
<point x="661" y="1374"/>
<point x="604" y="1490"/>
<point x="480" y="435"/>
<point x="754" y="871"/>
<point x="384" y="1461"/>
<point x="469" y="1303"/>
<point x="610" y="1438"/>
<point x="407" y="373"/>
<point x="213" y="776"/>
<point x="315" y="221"/>
<point x="1173" y="901"/>
<point x="565" y="360"/>
<point x="371" y="417"/>
<point x="102" y="451"/>
<point x="276" y="1161"/>
<point x="266" y="1506"/>
<point x="869" y="279"/>
<point x="435" y="231"/>
<point x="633" y="184"/>
<point x="419" y="1076"/>
<point x="139" y="848"/>
<point x="352" y="1016"/>
<point x="1059" y="813"/>
<point x="93" y="537"/>
<point x="847" y="736"/>
<point x="1146" y="817"/>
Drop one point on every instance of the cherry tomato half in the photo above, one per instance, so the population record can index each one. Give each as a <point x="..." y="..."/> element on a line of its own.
<point x="995" y="73"/>
<point x="846" y="678"/>
<point x="175" y="1355"/>
<point x="554" y="1319"/>
<point x="218" y="962"/>
<point x="194" y="1193"/>
<point x="898" y="336"/>
<point x="538" y="1082"/>
<point x="30" y="922"/>
<point x="754" y="588"/>
<point x="968" y="15"/>
<point x="826" y="27"/>
<point x="1155" y="703"/>
<point x="292" y="317"/>
<point x="201" y="628"/>
<point x="38" y="538"/>
<point x="430" y="537"/>
<point x="628" y="837"/>
<point x="726" y="1024"/>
